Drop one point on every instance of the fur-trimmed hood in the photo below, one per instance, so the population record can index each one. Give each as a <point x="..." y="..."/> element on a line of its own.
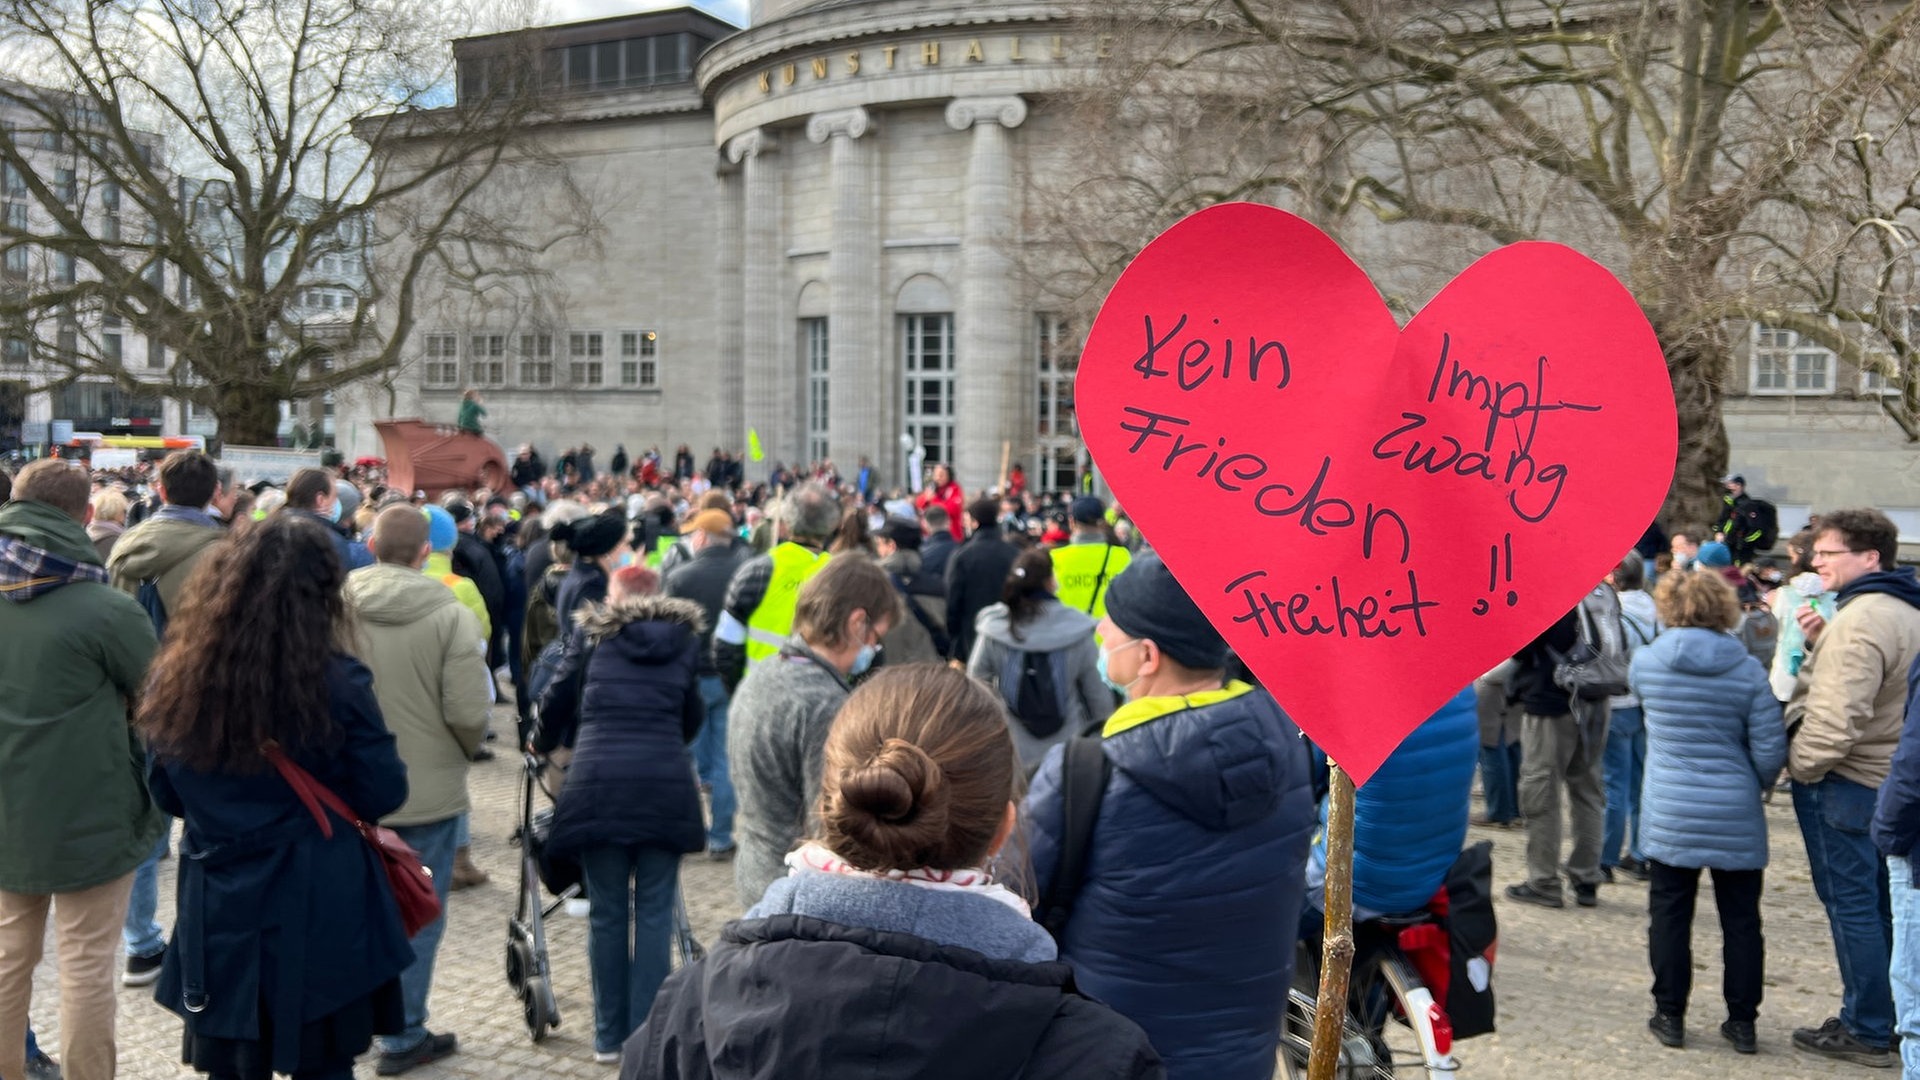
<point x="603" y="621"/>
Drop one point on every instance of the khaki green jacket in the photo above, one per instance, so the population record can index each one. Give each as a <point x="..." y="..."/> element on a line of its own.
<point x="430" y="676"/>
<point x="74" y="809"/>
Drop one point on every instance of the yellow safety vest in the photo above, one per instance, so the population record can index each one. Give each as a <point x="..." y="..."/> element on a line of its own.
<point x="1077" y="570"/>
<point x="772" y="622"/>
<point x="661" y="545"/>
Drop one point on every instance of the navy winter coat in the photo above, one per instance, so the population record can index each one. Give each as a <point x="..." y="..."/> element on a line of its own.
<point x="632" y="780"/>
<point x="272" y="916"/>
<point x="1410" y="819"/>
<point x="1715" y="742"/>
<point x="1190" y="908"/>
<point x="1896" y="818"/>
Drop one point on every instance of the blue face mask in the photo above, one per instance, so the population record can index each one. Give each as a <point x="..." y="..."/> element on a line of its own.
<point x="864" y="659"/>
<point x="333" y="511"/>
<point x="1100" y="666"/>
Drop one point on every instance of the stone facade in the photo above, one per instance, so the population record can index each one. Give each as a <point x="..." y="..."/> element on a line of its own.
<point x="823" y="223"/>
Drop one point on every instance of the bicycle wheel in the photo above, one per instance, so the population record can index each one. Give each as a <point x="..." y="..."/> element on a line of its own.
<point x="1389" y="1029"/>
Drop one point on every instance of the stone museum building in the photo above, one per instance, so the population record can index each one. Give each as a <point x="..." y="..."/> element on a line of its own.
<point x="819" y="229"/>
<point x="810" y="229"/>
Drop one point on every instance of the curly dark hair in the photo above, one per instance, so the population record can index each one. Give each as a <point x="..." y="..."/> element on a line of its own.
<point x="246" y="652"/>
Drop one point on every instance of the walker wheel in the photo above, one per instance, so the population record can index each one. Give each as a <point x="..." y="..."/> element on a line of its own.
<point x="519" y="964"/>
<point x="537" y="1005"/>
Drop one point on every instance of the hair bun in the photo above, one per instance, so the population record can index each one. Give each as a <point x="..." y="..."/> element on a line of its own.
<point x="895" y="806"/>
<point x="562" y="532"/>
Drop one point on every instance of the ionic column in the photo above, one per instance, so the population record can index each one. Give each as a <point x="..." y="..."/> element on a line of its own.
<point x="770" y="386"/>
<point x="854" y="335"/>
<point x="989" y="336"/>
<point x="729" y="318"/>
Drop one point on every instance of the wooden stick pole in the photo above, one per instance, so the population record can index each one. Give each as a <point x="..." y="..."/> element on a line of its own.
<point x="1336" y="954"/>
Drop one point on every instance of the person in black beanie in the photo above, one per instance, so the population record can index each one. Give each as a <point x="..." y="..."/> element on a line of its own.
<point x="1195" y="873"/>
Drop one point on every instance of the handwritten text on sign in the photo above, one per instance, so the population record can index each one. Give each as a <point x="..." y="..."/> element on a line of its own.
<point x="1374" y="517"/>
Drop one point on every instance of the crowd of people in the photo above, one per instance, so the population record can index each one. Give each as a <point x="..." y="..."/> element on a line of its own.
<point x="977" y="763"/>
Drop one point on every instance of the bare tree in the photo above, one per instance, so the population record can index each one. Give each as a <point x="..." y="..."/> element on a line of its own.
<point x="199" y="173"/>
<point x="1733" y="161"/>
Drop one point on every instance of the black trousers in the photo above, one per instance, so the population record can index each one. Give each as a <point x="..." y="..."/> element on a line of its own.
<point x="1670" y="902"/>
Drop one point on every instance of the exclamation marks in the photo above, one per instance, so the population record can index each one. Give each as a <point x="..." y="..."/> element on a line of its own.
<point x="1499" y="570"/>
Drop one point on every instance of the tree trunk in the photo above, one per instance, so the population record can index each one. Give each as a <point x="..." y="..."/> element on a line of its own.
<point x="249" y="416"/>
<point x="1697" y="368"/>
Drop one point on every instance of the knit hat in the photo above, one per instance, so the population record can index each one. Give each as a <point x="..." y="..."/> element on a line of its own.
<point x="592" y="537"/>
<point x="1087" y="510"/>
<point x="1146" y="602"/>
<point x="442" y="533"/>
<point x="717" y="522"/>
<point x="1712" y="553"/>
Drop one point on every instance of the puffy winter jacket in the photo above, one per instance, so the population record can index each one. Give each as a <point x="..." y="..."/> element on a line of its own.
<point x="794" y="996"/>
<point x="632" y="779"/>
<point x="1187" y="918"/>
<point x="1714" y="745"/>
<point x="1410" y="819"/>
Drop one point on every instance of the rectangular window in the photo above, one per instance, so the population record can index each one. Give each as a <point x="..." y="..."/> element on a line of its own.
<point x="606" y="64"/>
<point x="639" y="61"/>
<point x="64" y="186"/>
<point x="1783" y="364"/>
<point x="639" y="359"/>
<point x="1875" y="382"/>
<point x="585" y="352"/>
<point x="14" y="352"/>
<point x="156" y="355"/>
<point x="110" y="207"/>
<point x="487" y="359"/>
<point x="12" y="180"/>
<point x="110" y="349"/>
<point x="1057" y="358"/>
<point x="813" y="345"/>
<point x="17" y="252"/>
<point x="443" y="360"/>
<point x="536" y="359"/>
<point x="65" y="269"/>
<point x="927" y="364"/>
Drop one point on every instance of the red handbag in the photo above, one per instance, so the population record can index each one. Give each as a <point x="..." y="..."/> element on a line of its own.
<point x="407" y="876"/>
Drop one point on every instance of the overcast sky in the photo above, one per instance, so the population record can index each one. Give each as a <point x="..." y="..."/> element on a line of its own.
<point x="565" y="11"/>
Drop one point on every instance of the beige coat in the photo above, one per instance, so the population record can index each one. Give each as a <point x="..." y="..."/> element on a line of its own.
<point x="430" y="675"/>
<point x="1851" y="694"/>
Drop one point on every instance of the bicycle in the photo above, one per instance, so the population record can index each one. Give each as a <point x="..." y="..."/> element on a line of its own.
<point x="1394" y="1029"/>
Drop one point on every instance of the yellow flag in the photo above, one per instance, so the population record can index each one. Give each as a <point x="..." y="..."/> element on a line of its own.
<point x="753" y="445"/>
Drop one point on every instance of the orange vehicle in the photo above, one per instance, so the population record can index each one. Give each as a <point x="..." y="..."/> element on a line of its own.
<point x="430" y="457"/>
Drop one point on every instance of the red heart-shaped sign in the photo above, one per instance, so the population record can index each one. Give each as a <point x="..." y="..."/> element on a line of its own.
<point x="1373" y="516"/>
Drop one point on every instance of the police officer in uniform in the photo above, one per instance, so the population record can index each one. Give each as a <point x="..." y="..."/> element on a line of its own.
<point x="757" y="616"/>
<point x="1087" y="564"/>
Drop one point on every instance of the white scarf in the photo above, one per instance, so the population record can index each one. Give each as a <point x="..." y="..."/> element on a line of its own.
<point x="818" y="858"/>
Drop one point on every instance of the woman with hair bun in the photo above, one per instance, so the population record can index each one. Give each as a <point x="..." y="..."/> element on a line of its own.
<point x="888" y="950"/>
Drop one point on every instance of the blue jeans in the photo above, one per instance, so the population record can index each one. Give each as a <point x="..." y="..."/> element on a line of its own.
<point x="1626" y="763"/>
<point x="629" y="934"/>
<point x="1906" y="960"/>
<point x="435" y="843"/>
<point x="1500" y="780"/>
<point x="33" y="1046"/>
<point x="1851" y="880"/>
<point x="710" y="759"/>
<point x="141" y="933"/>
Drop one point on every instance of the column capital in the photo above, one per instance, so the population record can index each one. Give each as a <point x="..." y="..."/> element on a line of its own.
<point x="853" y="123"/>
<point x="750" y="144"/>
<point x="1008" y="112"/>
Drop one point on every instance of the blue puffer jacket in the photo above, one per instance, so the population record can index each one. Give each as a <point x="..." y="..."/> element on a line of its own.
<point x="1410" y="818"/>
<point x="632" y="779"/>
<point x="1191" y="903"/>
<point x="1715" y="741"/>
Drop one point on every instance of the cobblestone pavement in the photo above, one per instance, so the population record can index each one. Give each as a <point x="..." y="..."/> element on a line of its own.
<point x="1573" y="983"/>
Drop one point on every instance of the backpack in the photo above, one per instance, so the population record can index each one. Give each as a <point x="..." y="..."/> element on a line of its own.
<point x="148" y="594"/>
<point x="1759" y="631"/>
<point x="1454" y="952"/>
<point x="1084" y="772"/>
<point x="1595" y="669"/>
<point x="1033" y="686"/>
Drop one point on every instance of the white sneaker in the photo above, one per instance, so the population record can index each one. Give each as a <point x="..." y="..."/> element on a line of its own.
<point x="607" y="1057"/>
<point x="578" y="908"/>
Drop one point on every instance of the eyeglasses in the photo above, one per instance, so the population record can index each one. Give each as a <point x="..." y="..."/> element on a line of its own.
<point x="1819" y="554"/>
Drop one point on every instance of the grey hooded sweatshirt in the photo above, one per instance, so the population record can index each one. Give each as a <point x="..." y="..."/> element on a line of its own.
<point x="1055" y="629"/>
